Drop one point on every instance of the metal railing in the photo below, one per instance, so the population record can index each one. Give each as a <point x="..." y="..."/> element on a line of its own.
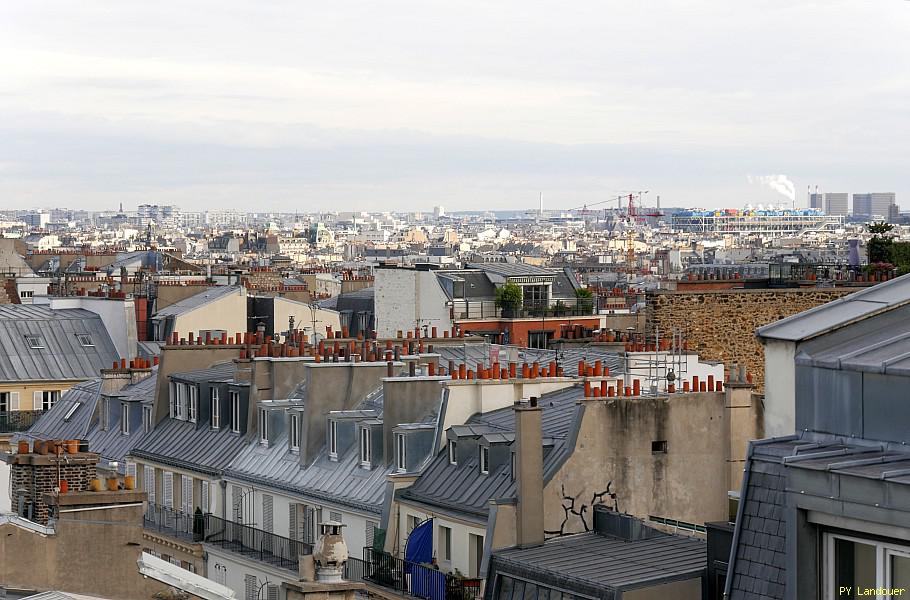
<point x="255" y="543"/>
<point x="14" y="421"/>
<point x="486" y="309"/>
<point x="405" y="577"/>
<point x="173" y="522"/>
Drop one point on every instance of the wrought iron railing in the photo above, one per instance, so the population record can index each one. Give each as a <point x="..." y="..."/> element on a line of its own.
<point x="405" y="577"/>
<point x="256" y="543"/>
<point x="174" y="522"/>
<point x="14" y="421"/>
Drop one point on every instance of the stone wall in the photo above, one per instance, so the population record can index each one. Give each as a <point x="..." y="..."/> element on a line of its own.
<point x="37" y="475"/>
<point x="720" y="325"/>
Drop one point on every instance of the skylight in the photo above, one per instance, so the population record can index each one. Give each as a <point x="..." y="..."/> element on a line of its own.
<point x="69" y="414"/>
<point x="34" y="342"/>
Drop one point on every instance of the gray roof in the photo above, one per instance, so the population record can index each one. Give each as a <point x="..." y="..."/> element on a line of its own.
<point x="84" y="420"/>
<point x="603" y="564"/>
<point x="341" y="482"/>
<point x="815" y="321"/>
<point x="219" y="372"/>
<point x="880" y="344"/>
<point x="210" y="294"/>
<point x="505" y="269"/>
<point x="463" y="490"/>
<point x="183" y="445"/>
<point x="62" y="357"/>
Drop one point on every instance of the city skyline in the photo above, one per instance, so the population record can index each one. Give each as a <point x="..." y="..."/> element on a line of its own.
<point x="351" y="107"/>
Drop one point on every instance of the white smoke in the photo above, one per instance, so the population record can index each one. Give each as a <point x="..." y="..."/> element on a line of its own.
<point x="779" y="183"/>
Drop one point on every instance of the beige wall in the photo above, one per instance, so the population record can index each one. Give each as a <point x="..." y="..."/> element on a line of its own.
<point x="689" y="589"/>
<point x="27" y="391"/>
<point x="462" y="530"/>
<point x="227" y="313"/>
<point x="303" y="317"/>
<point x="93" y="552"/>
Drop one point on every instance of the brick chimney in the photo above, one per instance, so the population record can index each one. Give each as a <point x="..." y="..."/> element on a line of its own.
<point x="529" y="473"/>
<point x="34" y="476"/>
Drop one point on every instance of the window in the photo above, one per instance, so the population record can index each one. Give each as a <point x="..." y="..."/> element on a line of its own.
<point x="216" y="409"/>
<point x="193" y="404"/>
<point x="4" y="402"/>
<point x="85" y="340"/>
<point x="26" y="294"/>
<point x="400" y="457"/>
<point x="146" y="419"/>
<point x="365" y="451"/>
<point x="125" y="418"/>
<point x="180" y="402"/>
<point x="484" y="459"/>
<point x="69" y="414"/>
<point x="149" y="487"/>
<point x="34" y="342"/>
<point x="333" y="439"/>
<point x="372" y="526"/>
<point x="855" y="567"/>
<point x="294" y="434"/>
<point x="235" y="412"/>
<point x="263" y="426"/>
<point x="539" y="339"/>
<point x="445" y="543"/>
<point x="186" y="494"/>
<point x="48" y="399"/>
<point x="453" y="457"/>
<point x="413" y="522"/>
<point x="659" y="446"/>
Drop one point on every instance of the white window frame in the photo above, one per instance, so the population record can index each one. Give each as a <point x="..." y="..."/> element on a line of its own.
<point x="34" y="341"/>
<point x="294" y="432"/>
<point x="883" y="553"/>
<point x="453" y="452"/>
<point x="85" y="340"/>
<point x="215" y="407"/>
<point x="366" y="450"/>
<point x="125" y="418"/>
<point x="49" y="398"/>
<point x="485" y="460"/>
<point x="192" y="405"/>
<point x="401" y="453"/>
<point x="146" y="419"/>
<point x="263" y="427"/>
<point x="445" y="543"/>
<point x="180" y="401"/>
<point x="333" y="439"/>
<point x="235" y="411"/>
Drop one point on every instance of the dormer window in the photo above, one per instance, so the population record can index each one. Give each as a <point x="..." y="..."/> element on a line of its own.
<point x="235" y="412"/>
<point x="484" y="460"/>
<point x="365" y="450"/>
<point x="333" y="439"/>
<point x="453" y="457"/>
<point x="193" y="404"/>
<point x="400" y="453"/>
<point x="216" y="408"/>
<point x="294" y="432"/>
<point x="263" y="426"/>
<point x="124" y="418"/>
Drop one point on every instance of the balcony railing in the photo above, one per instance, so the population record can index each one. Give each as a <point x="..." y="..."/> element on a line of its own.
<point x="173" y="522"/>
<point x="487" y="309"/>
<point x="255" y="543"/>
<point x="14" y="421"/>
<point x="405" y="577"/>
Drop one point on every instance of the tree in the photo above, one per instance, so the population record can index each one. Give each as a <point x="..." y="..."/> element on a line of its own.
<point x="509" y="297"/>
<point x="879" y="247"/>
<point x="584" y="300"/>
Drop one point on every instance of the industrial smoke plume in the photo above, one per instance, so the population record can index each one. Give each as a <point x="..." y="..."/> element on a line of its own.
<point x="779" y="183"/>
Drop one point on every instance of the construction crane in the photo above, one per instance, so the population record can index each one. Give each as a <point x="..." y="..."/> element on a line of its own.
<point x="635" y="215"/>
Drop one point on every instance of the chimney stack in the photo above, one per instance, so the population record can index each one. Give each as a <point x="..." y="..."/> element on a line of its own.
<point x="529" y="473"/>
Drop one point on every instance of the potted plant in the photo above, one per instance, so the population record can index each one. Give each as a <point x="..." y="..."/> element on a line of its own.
<point x="508" y="298"/>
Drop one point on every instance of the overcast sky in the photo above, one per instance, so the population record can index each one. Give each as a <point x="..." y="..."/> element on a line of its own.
<point x="404" y="104"/>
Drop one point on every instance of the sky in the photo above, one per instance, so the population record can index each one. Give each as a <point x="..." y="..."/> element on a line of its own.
<point x="406" y="104"/>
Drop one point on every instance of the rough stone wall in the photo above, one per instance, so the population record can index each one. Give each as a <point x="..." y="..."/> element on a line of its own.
<point x="720" y="325"/>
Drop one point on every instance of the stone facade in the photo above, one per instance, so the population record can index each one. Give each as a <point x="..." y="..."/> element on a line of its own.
<point x="37" y="475"/>
<point x="720" y="325"/>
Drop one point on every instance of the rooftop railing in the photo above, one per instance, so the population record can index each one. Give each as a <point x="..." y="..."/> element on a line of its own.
<point x="405" y="577"/>
<point x="255" y="543"/>
<point x="15" y="421"/>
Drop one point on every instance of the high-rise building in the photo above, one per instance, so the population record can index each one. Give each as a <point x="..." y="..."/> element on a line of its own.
<point x="160" y="215"/>
<point x="836" y="203"/>
<point x="874" y="204"/>
<point x="817" y="201"/>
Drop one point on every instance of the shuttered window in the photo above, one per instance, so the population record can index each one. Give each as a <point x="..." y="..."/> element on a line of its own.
<point x="237" y="503"/>
<point x="292" y="522"/>
<point x="268" y="518"/>
<point x="149" y="482"/>
<point x="167" y="484"/>
<point x="272" y="592"/>
<point x="216" y="409"/>
<point x="251" y="591"/>
<point x="371" y="532"/>
<point x="206" y="501"/>
<point x="186" y="494"/>
<point x="131" y="470"/>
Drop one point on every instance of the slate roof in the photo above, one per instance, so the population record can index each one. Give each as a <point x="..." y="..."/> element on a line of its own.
<point x="53" y="425"/>
<point x="219" y="372"/>
<point x="602" y="564"/>
<point x="63" y="357"/>
<point x="859" y="305"/>
<point x="759" y="567"/>
<point x="341" y="482"/>
<point x="211" y="294"/>
<point x="463" y="490"/>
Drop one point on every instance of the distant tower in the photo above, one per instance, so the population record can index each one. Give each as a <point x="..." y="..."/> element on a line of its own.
<point x="540" y="210"/>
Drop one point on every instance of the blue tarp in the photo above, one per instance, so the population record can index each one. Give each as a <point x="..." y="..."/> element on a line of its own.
<point x="425" y="582"/>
